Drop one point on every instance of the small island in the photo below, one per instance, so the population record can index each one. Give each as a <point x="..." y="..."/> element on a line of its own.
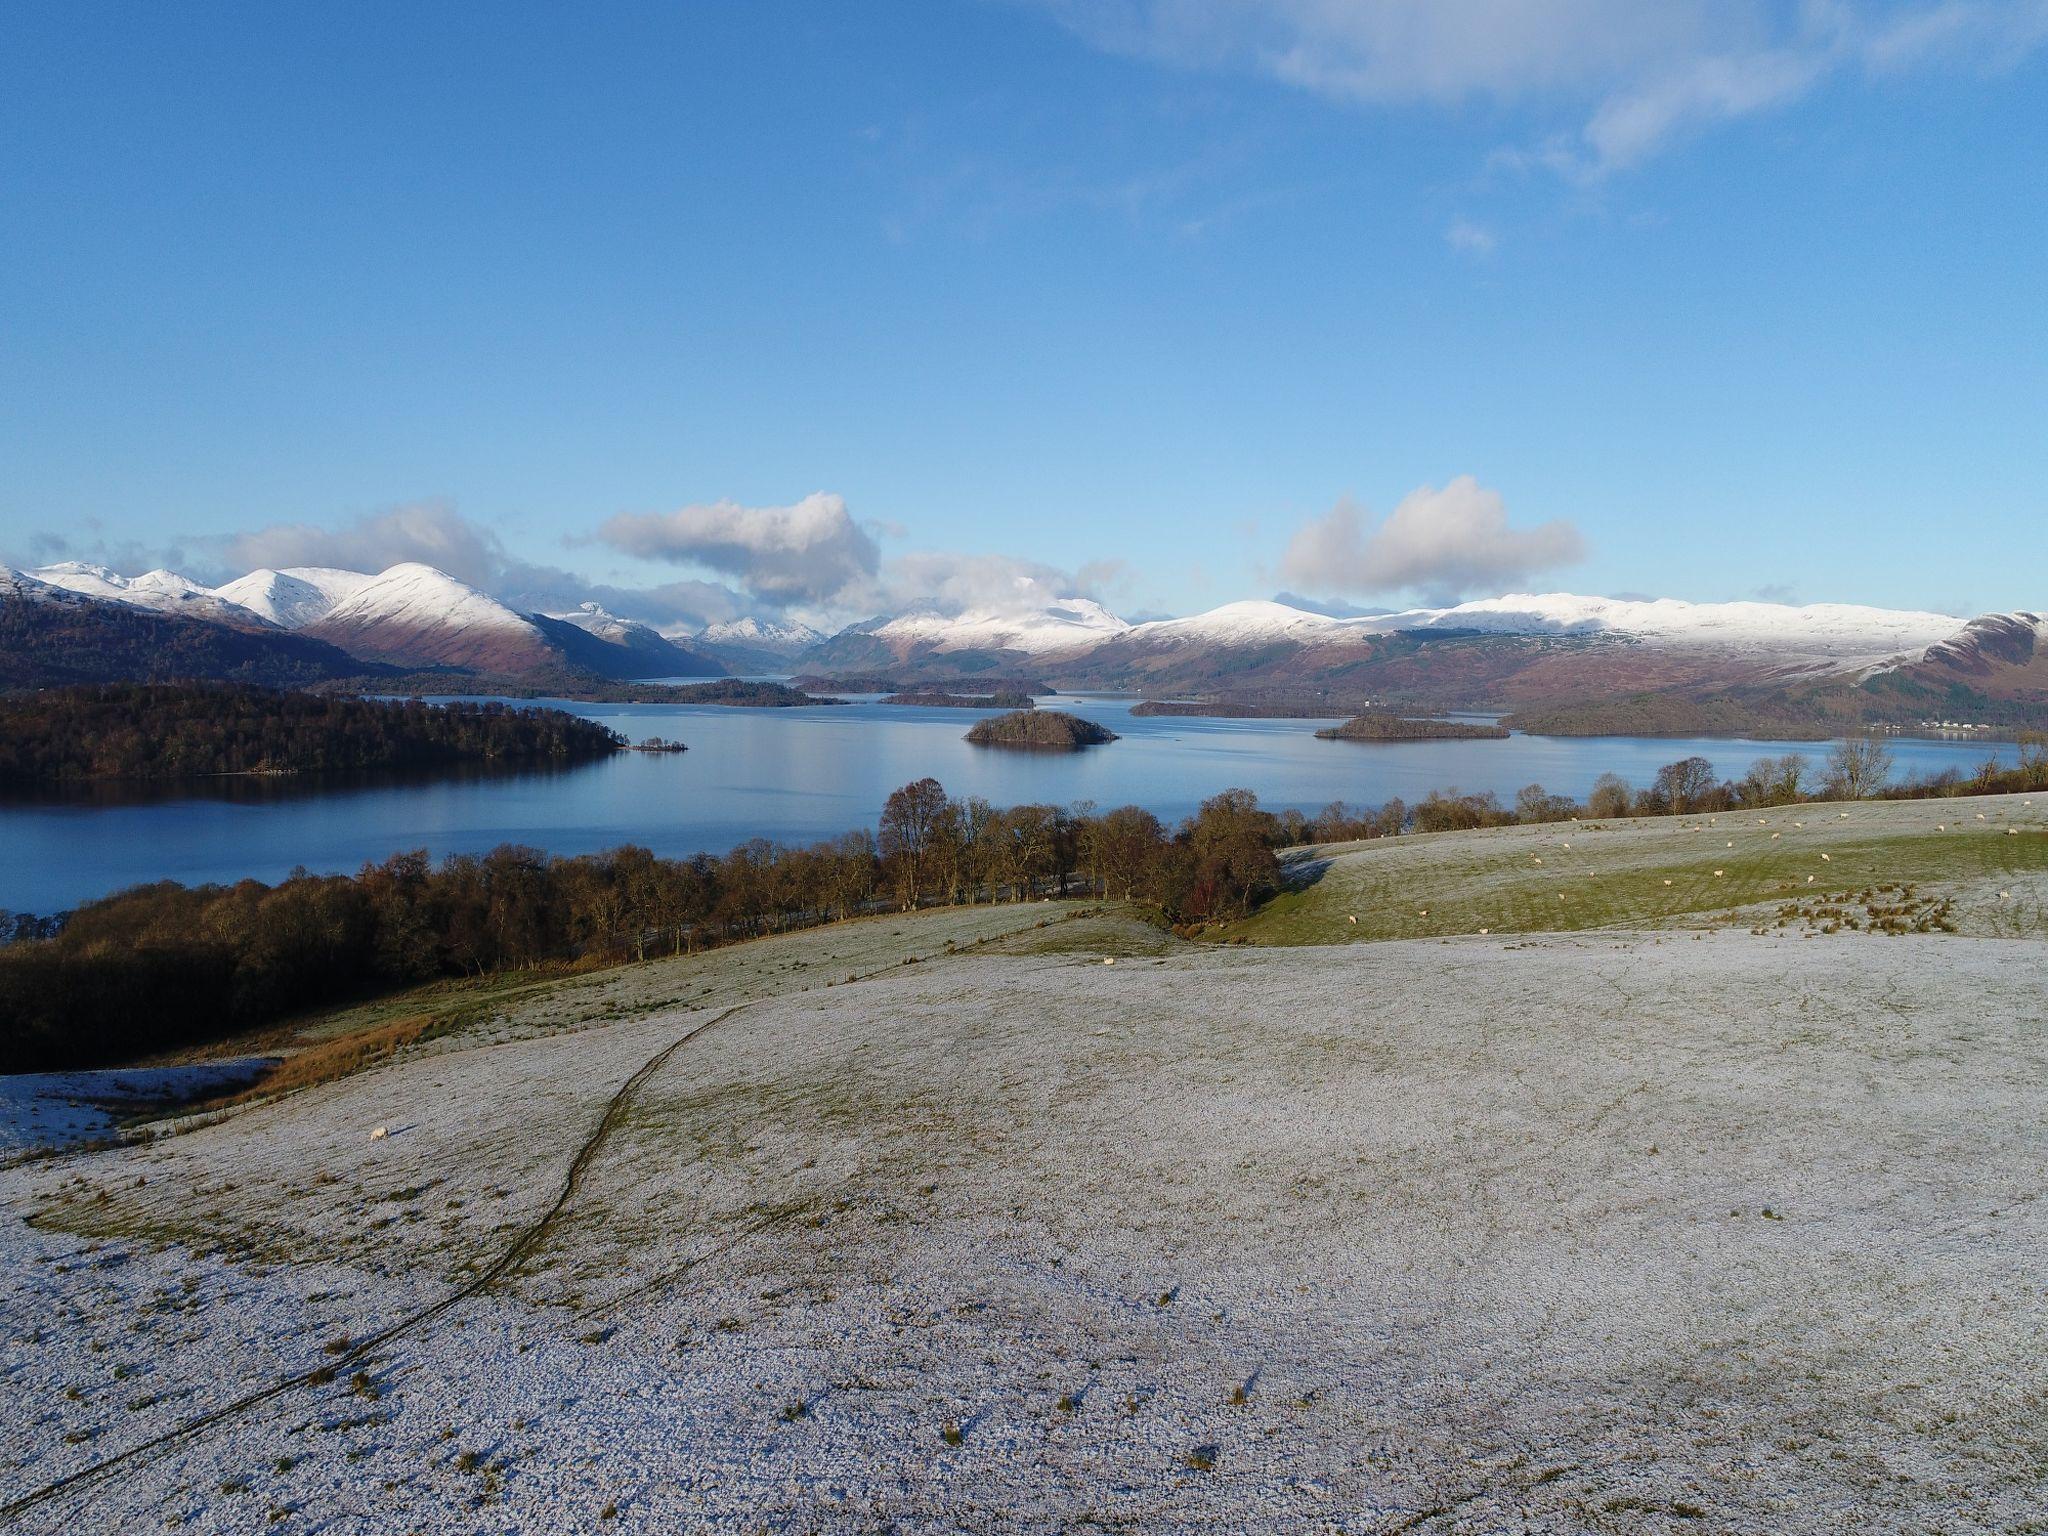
<point x="1400" y="728"/>
<point x="1039" y="729"/>
<point x="934" y="699"/>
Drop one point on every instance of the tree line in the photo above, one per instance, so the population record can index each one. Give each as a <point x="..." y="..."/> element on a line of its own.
<point x="1857" y="768"/>
<point x="180" y="730"/>
<point x="213" y="961"/>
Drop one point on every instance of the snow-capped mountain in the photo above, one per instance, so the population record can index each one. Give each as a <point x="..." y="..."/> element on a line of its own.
<point x="1504" y="651"/>
<point x="20" y="587"/>
<point x="296" y="596"/>
<point x="410" y="615"/>
<point x="1837" y="633"/>
<point x="2003" y="655"/>
<point x="1060" y="626"/>
<point x="785" y="637"/>
<point x="1253" y="622"/>
<point x="57" y="635"/>
<point x="1841" y="632"/>
<point x="973" y="641"/>
<point x="758" y="645"/>
<point x="596" y="619"/>
<point x="593" y="637"/>
<point x="161" y="591"/>
<point x="413" y="615"/>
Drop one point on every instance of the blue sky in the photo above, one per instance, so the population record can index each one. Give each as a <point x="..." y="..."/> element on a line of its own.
<point x="1170" y="300"/>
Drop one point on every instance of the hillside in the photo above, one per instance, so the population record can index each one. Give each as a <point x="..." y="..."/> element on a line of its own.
<point x="50" y="637"/>
<point x="1001" y="1231"/>
<point x="1988" y="855"/>
<point x="756" y="645"/>
<point x="609" y="647"/>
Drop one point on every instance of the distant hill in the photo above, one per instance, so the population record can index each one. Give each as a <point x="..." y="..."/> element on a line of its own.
<point x="409" y="616"/>
<point x="1556" y="661"/>
<point x="51" y="636"/>
<point x="757" y="645"/>
<point x="621" y="649"/>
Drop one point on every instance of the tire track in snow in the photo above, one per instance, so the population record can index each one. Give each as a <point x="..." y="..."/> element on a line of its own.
<point x="520" y="1249"/>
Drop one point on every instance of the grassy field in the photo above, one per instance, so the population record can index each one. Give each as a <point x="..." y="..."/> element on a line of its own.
<point x="1987" y="858"/>
<point x="940" y="1222"/>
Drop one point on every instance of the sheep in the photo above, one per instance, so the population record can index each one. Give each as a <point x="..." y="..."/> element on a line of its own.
<point x="380" y="1133"/>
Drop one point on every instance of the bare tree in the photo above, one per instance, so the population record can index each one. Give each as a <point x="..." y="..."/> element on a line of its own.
<point x="1686" y="784"/>
<point x="912" y="823"/>
<point x="1610" y="797"/>
<point x="1857" y="768"/>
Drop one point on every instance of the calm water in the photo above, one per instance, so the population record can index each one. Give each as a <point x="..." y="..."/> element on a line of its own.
<point x="789" y="774"/>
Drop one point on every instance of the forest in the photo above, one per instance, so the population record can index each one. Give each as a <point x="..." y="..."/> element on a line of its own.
<point x="217" y="960"/>
<point x="182" y="730"/>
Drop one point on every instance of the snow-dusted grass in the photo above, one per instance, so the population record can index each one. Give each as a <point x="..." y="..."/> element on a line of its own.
<point x="1659" y="871"/>
<point x="1652" y="1230"/>
<point x="41" y="1111"/>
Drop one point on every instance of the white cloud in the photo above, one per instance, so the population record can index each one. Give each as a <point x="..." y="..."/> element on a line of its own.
<point x="431" y="532"/>
<point x="1470" y="239"/>
<point x="1634" y="74"/>
<point x="811" y="552"/>
<point x="1444" y="544"/>
<point x="955" y="583"/>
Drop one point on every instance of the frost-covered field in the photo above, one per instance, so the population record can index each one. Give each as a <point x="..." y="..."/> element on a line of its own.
<point x="1593" y="1231"/>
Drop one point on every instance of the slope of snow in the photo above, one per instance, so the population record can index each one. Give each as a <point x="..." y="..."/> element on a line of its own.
<point x="418" y="595"/>
<point x="22" y="587"/>
<point x="159" y="591"/>
<point x="788" y="635"/>
<point x="414" y="615"/>
<point x="1839" y="632"/>
<point x="296" y="596"/>
<point x="1063" y="625"/>
<point x="1255" y="622"/>
<point x="598" y="620"/>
